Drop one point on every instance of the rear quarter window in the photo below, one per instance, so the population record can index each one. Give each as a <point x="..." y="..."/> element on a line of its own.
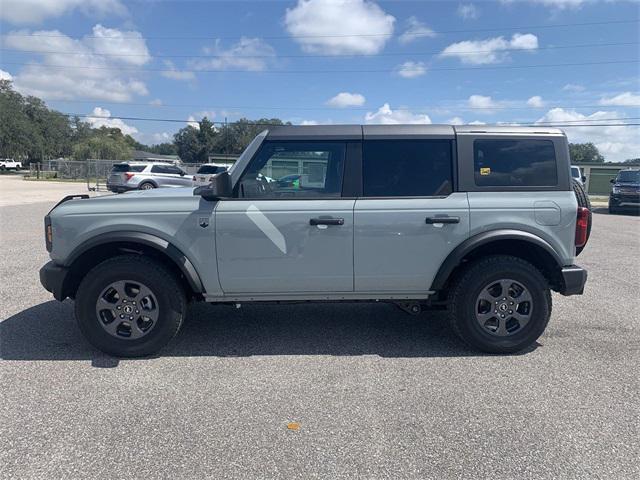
<point x="121" y="168"/>
<point x="515" y="163"/>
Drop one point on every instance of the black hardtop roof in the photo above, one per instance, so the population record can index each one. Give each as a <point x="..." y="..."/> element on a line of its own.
<point x="357" y="132"/>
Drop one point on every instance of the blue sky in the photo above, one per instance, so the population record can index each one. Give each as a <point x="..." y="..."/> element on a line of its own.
<point x="332" y="61"/>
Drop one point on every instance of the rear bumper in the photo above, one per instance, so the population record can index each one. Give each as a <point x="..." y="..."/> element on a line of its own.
<point x="52" y="278"/>
<point x="574" y="278"/>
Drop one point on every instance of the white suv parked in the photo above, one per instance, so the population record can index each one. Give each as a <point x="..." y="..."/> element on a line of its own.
<point x="146" y="176"/>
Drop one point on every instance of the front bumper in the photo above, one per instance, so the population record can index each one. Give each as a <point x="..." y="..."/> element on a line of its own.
<point x="574" y="279"/>
<point x="52" y="278"/>
<point x="625" y="199"/>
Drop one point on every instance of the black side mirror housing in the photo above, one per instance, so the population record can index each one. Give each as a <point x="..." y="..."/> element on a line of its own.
<point x="218" y="188"/>
<point x="584" y="178"/>
<point x="613" y="180"/>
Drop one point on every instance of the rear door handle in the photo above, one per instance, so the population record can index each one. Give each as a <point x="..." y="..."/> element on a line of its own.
<point x="432" y="220"/>
<point x="326" y="221"/>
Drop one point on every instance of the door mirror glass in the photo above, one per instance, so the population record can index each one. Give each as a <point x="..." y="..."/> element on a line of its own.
<point x="219" y="187"/>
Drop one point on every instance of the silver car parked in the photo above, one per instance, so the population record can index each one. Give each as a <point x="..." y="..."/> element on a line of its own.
<point x="146" y="176"/>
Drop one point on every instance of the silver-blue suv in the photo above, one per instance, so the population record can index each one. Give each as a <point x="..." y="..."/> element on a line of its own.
<point x="482" y="221"/>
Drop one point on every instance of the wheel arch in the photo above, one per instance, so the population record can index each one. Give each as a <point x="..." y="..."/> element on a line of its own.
<point x="97" y="249"/>
<point x="517" y="243"/>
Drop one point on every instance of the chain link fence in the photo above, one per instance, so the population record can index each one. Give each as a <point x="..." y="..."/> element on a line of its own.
<point x="93" y="172"/>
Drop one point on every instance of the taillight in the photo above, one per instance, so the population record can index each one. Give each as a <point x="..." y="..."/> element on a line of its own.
<point x="48" y="233"/>
<point x="582" y="225"/>
<point x="128" y="176"/>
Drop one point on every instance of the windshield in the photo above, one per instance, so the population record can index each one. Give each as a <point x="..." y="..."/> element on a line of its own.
<point x="211" y="169"/>
<point x="125" y="167"/>
<point x="629" y="176"/>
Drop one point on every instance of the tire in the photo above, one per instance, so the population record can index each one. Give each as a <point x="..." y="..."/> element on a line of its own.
<point x="464" y="303"/>
<point x="583" y="201"/>
<point x="166" y="295"/>
<point x="146" y="186"/>
<point x="612" y="210"/>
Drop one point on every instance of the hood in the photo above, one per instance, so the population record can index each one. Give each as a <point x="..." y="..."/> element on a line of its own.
<point x="158" y="200"/>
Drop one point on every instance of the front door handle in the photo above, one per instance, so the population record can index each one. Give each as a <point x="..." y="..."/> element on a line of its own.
<point x="326" y="221"/>
<point x="432" y="220"/>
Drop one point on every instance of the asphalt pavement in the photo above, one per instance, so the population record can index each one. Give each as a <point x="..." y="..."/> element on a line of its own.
<point x="377" y="393"/>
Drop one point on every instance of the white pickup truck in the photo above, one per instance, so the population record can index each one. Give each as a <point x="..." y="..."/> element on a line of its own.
<point x="9" y="164"/>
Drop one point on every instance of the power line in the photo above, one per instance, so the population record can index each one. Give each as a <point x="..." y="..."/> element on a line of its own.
<point x="548" y="105"/>
<point x="316" y="72"/>
<point x="277" y="37"/>
<point x="522" y="124"/>
<point x="349" y="55"/>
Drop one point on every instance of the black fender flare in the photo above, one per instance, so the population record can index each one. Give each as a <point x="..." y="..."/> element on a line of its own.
<point x="149" y="240"/>
<point x="455" y="257"/>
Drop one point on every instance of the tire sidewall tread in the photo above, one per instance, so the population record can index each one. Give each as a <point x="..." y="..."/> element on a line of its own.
<point x="462" y="302"/>
<point x="168" y="292"/>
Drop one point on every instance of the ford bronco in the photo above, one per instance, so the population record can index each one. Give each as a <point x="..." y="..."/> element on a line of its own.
<point x="481" y="221"/>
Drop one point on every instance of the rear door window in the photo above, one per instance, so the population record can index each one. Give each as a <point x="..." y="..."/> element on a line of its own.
<point x="407" y="168"/>
<point x="515" y="163"/>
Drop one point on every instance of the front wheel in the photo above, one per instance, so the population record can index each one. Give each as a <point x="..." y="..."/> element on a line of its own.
<point x="129" y="306"/>
<point x="147" y="186"/>
<point x="500" y="304"/>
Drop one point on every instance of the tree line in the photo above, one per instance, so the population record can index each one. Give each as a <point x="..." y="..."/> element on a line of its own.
<point x="30" y="131"/>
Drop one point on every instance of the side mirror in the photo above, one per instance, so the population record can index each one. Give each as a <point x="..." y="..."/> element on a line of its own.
<point x="182" y="174"/>
<point x="219" y="187"/>
<point x="584" y="178"/>
<point x="613" y="180"/>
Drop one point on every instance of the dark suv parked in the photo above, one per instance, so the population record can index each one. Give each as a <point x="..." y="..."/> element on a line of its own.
<point x="625" y="192"/>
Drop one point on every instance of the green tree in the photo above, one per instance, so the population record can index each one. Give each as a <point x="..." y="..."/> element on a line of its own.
<point x="585" y="153"/>
<point x="105" y="143"/>
<point x="632" y="161"/>
<point x="187" y="144"/>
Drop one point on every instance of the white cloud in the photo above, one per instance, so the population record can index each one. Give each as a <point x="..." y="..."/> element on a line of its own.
<point x="250" y="54"/>
<point x="626" y="99"/>
<point x="102" y="118"/>
<point x="535" y="101"/>
<point x="477" y="122"/>
<point x="324" y="26"/>
<point x="615" y="143"/>
<point x="481" y="101"/>
<point x="561" y="4"/>
<point x="174" y="74"/>
<point x="86" y="74"/>
<point x="573" y="87"/>
<point x="5" y="75"/>
<point x="197" y="116"/>
<point x="415" y="31"/>
<point x="309" y="122"/>
<point x="492" y="50"/>
<point x="162" y="137"/>
<point x="455" y="121"/>
<point x="468" y="11"/>
<point x="35" y="11"/>
<point x="346" y="99"/>
<point x="412" y="69"/>
<point x="386" y="116"/>
<point x="156" y="102"/>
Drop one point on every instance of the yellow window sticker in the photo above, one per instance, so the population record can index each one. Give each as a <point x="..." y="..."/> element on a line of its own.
<point x="485" y="171"/>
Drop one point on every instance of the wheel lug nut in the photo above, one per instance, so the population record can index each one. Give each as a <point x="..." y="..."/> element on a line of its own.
<point x="502" y="316"/>
<point x="510" y="303"/>
<point x="510" y="311"/>
<point x="121" y="316"/>
<point x="130" y="318"/>
<point x="137" y="311"/>
<point x="119" y="307"/>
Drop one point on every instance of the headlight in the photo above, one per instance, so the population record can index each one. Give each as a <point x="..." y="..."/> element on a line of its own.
<point x="615" y="189"/>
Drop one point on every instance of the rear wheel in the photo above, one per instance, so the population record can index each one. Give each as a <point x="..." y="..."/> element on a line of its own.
<point x="146" y="186"/>
<point x="129" y="306"/>
<point x="499" y="304"/>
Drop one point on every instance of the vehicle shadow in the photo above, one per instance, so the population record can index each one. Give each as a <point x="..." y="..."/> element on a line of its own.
<point x="48" y="332"/>
<point x="605" y="211"/>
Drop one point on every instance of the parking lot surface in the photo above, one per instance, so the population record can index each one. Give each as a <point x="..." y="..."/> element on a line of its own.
<point x="377" y="393"/>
